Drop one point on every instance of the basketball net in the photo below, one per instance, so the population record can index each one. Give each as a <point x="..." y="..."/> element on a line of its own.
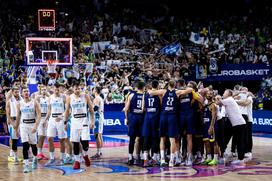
<point x="51" y="68"/>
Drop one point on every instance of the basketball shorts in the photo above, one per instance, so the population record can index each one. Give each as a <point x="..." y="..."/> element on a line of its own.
<point x="135" y="123"/>
<point x="186" y="122"/>
<point x="42" y="128"/>
<point x="168" y="125"/>
<point x="151" y="125"/>
<point x="56" y="129"/>
<point x="27" y="135"/>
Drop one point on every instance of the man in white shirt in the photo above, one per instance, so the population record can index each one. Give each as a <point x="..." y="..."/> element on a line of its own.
<point x="246" y="104"/>
<point x="237" y="121"/>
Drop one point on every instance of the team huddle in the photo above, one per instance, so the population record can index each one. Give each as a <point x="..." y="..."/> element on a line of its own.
<point x="66" y="114"/>
<point x="158" y="119"/>
<point x="178" y="125"/>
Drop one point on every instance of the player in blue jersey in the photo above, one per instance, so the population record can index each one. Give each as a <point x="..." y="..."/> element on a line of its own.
<point x="134" y="120"/>
<point x="186" y="119"/>
<point x="151" y="106"/>
<point x="168" y="118"/>
<point x="209" y="117"/>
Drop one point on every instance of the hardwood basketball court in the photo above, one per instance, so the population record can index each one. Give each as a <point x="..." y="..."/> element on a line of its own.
<point x="113" y="166"/>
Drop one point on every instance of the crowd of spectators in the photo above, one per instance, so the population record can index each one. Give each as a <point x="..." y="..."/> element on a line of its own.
<point x="136" y="38"/>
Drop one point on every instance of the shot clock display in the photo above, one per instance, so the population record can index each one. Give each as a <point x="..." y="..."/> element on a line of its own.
<point x="46" y="19"/>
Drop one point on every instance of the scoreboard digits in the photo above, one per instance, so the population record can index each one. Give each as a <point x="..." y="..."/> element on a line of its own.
<point x="46" y="13"/>
<point x="46" y="19"/>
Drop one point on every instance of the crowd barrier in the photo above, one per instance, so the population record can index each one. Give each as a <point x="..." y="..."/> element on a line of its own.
<point x="114" y="122"/>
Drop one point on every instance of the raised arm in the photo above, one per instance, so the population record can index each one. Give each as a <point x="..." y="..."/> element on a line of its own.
<point x="184" y="92"/>
<point x="160" y="92"/>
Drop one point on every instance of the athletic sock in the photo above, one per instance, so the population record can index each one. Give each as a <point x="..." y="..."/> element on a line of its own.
<point x="172" y="157"/>
<point x="11" y="153"/>
<point x="209" y="157"/>
<point x="39" y="150"/>
<point x="77" y="158"/>
<point x="130" y="157"/>
<point x="215" y="157"/>
<point x="176" y="154"/>
<point x="98" y="150"/>
<point x="62" y="156"/>
<point x="145" y="155"/>
<point x="52" y="156"/>
<point x="15" y="155"/>
<point x="162" y="155"/>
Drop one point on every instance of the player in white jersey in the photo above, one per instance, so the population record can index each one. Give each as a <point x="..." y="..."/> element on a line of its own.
<point x="28" y="117"/>
<point x="38" y="93"/>
<point x="55" y="110"/>
<point x="78" y="103"/>
<point x="43" y="100"/>
<point x="11" y="103"/>
<point x="68" y="145"/>
<point x="98" y="124"/>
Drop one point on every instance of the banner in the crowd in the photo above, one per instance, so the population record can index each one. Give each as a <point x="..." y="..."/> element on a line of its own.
<point x="172" y="49"/>
<point x="85" y="68"/>
<point x="98" y="47"/>
<point x="237" y="72"/>
<point x="196" y="38"/>
<point x="262" y="121"/>
<point x="201" y="71"/>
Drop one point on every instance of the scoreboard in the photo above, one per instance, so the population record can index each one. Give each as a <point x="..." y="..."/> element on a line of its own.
<point x="46" y="19"/>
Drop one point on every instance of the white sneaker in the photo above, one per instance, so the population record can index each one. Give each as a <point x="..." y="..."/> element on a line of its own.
<point x="222" y="161"/>
<point x="178" y="161"/>
<point x="171" y="163"/>
<point x="248" y="156"/>
<point x="189" y="162"/>
<point x="238" y="162"/>
<point x="234" y="154"/>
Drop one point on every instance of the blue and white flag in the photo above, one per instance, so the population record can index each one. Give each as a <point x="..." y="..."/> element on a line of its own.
<point x="196" y="38"/>
<point x="172" y="49"/>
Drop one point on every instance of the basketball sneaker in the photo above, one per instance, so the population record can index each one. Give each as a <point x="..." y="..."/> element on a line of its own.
<point x="16" y="161"/>
<point x="207" y="161"/>
<point x="248" y="156"/>
<point x="76" y="165"/>
<point x="238" y="162"/>
<point x="68" y="160"/>
<point x="34" y="164"/>
<point x="163" y="163"/>
<point x="10" y="159"/>
<point x="154" y="162"/>
<point x="50" y="162"/>
<point x="171" y="163"/>
<point x="131" y="162"/>
<point x="96" y="156"/>
<point x="87" y="160"/>
<point x="146" y="163"/>
<point x="213" y="162"/>
<point x="41" y="156"/>
<point x="26" y="169"/>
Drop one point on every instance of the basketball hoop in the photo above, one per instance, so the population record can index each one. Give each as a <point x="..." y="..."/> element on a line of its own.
<point x="51" y="67"/>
